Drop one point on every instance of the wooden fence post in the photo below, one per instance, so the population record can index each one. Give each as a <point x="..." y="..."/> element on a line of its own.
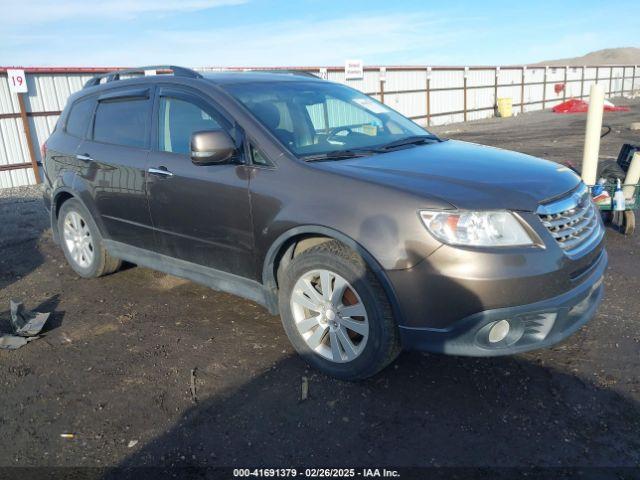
<point x="428" y="96"/>
<point x="610" y="80"/>
<point x="464" y="87"/>
<point x="523" y="70"/>
<point x="582" y="84"/>
<point x="544" y="88"/>
<point x="495" y="90"/>
<point x="27" y="133"/>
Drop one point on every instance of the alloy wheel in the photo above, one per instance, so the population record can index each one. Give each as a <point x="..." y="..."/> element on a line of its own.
<point x="330" y="315"/>
<point x="77" y="238"/>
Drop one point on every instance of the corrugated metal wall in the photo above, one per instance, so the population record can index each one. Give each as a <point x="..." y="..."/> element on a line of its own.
<point x="48" y="92"/>
<point x="13" y="143"/>
<point x="429" y="95"/>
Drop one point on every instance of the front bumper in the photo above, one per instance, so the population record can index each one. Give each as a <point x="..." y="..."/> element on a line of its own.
<point x="532" y="326"/>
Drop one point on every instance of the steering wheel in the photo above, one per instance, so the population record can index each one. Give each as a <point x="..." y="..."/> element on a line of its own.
<point x="333" y="133"/>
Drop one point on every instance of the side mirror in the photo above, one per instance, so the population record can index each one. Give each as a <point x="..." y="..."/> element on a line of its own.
<point x="211" y="146"/>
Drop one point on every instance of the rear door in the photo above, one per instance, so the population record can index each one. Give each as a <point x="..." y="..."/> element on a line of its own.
<point x="201" y="214"/>
<point x="115" y="158"/>
<point x="63" y="144"/>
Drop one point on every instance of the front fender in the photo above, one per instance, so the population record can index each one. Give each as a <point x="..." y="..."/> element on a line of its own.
<point x="268" y="271"/>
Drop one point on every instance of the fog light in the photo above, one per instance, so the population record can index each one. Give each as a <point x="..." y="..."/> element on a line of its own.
<point x="499" y="331"/>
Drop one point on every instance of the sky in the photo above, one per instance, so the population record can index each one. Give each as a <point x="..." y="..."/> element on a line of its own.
<point x="309" y="32"/>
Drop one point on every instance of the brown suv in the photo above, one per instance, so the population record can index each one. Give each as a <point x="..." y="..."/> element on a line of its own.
<point x="365" y="232"/>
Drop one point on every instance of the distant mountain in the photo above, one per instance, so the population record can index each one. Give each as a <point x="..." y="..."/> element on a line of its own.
<point x="608" y="56"/>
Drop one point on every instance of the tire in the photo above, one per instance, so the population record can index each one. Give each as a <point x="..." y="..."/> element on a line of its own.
<point x="82" y="242"/>
<point x="629" y="222"/>
<point x="360" y="353"/>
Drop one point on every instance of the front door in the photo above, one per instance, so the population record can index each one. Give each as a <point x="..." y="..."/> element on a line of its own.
<point x="200" y="214"/>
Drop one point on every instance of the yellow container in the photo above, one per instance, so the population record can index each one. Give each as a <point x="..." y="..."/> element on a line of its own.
<point x="505" y="107"/>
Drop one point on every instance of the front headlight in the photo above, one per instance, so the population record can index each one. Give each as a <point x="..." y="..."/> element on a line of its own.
<point x="476" y="229"/>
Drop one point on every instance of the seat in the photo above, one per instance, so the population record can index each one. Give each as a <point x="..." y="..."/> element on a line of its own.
<point x="269" y="114"/>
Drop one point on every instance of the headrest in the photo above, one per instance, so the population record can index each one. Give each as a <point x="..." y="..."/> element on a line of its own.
<point x="268" y="113"/>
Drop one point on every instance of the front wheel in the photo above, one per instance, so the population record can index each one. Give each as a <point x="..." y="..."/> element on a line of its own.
<point x="336" y="314"/>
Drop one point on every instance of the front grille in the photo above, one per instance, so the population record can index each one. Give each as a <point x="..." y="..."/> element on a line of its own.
<point x="573" y="221"/>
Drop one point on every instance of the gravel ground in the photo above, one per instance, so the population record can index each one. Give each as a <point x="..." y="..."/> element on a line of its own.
<point x="114" y="367"/>
<point x="20" y="193"/>
<point x="23" y="216"/>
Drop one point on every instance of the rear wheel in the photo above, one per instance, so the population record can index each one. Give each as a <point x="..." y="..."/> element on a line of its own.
<point x="336" y="314"/>
<point x="82" y="243"/>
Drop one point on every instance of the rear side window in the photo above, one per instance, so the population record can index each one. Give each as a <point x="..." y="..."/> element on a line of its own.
<point x="122" y="122"/>
<point x="80" y="117"/>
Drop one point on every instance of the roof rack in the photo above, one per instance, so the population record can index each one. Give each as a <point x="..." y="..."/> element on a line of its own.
<point x="302" y="73"/>
<point x="115" y="75"/>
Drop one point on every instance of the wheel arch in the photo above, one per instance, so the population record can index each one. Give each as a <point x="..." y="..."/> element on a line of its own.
<point x="58" y="198"/>
<point x="288" y="243"/>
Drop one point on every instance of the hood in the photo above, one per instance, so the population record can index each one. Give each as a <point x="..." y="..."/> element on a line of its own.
<point x="466" y="175"/>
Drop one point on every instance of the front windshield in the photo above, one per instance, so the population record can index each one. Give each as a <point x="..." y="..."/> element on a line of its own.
<point x="314" y="118"/>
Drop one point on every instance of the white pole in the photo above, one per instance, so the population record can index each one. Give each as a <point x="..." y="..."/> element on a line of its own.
<point x="592" y="136"/>
<point x="633" y="176"/>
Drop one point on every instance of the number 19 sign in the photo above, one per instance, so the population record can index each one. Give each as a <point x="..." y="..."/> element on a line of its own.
<point x="17" y="81"/>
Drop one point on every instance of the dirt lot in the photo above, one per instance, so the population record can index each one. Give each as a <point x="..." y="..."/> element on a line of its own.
<point x="114" y="366"/>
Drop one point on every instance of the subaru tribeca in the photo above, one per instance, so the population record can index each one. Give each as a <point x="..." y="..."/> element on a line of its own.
<point x="366" y="233"/>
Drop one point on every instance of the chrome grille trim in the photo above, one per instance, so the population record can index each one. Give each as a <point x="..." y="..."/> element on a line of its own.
<point x="573" y="221"/>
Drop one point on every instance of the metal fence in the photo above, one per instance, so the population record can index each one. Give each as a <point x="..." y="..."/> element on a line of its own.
<point x="428" y="95"/>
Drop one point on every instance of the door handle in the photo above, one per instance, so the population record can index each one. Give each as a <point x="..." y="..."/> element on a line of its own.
<point x="84" y="157"/>
<point x="160" y="171"/>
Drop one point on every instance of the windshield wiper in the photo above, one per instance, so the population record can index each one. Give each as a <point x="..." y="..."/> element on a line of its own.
<point x="338" y="155"/>
<point x="364" y="152"/>
<point x="414" y="140"/>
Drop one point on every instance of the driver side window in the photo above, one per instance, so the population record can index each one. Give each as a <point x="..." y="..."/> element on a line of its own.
<point x="178" y="119"/>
